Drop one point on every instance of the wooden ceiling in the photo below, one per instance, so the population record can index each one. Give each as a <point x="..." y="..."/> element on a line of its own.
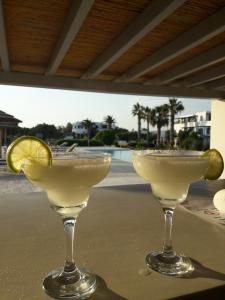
<point x="143" y="47"/>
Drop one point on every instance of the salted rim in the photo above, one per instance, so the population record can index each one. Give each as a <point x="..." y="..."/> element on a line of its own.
<point x="80" y="155"/>
<point x="169" y="153"/>
<point x="75" y="156"/>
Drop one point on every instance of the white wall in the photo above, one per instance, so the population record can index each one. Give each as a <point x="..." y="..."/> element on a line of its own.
<point x="218" y="127"/>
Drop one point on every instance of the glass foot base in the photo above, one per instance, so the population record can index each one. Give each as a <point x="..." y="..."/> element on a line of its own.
<point x="177" y="265"/>
<point x="69" y="285"/>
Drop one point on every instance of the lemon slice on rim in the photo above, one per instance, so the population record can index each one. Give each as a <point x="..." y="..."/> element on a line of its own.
<point x="27" y="148"/>
<point x="216" y="164"/>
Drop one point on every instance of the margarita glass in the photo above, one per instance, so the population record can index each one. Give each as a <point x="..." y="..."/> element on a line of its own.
<point x="170" y="173"/>
<point x="67" y="182"/>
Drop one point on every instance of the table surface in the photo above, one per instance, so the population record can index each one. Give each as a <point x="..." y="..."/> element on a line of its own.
<point x="113" y="235"/>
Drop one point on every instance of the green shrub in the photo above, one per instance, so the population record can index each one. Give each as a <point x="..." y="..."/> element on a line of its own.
<point x="132" y="144"/>
<point x="122" y="136"/>
<point x="95" y="142"/>
<point x="190" y="141"/>
<point x="107" y="137"/>
<point x="140" y="145"/>
<point x="162" y="147"/>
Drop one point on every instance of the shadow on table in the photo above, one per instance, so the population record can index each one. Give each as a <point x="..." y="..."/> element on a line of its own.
<point x="104" y="293"/>
<point x="201" y="271"/>
<point x="217" y="293"/>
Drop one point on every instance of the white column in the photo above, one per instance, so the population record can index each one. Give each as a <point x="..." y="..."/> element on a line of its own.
<point x="217" y="136"/>
<point x="0" y="142"/>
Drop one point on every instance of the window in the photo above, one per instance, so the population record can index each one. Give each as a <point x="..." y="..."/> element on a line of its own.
<point x="208" y="130"/>
<point x="192" y="119"/>
<point x="201" y="118"/>
<point x="200" y="131"/>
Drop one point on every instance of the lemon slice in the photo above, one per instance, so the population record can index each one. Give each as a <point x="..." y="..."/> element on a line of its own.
<point x="216" y="164"/>
<point x="27" y="148"/>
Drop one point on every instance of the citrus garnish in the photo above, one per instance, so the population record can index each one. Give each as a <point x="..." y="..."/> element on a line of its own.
<point x="27" y="148"/>
<point x="216" y="164"/>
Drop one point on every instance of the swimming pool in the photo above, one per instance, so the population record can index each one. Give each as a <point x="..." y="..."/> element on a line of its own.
<point x="125" y="155"/>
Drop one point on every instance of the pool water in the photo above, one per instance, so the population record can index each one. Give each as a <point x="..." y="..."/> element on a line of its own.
<point x="125" y="155"/>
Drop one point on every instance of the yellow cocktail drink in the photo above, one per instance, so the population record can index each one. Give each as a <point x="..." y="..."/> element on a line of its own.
<point x="68" y="181"/>
<point x="170" y="172"/>
<point x="67" y="178"/>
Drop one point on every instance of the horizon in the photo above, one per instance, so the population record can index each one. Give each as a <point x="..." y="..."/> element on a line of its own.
<point x="35" y="106"/>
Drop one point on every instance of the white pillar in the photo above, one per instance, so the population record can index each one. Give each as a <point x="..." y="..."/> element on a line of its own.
<point x="0" y="143"/>
<point x="217" y="136"/>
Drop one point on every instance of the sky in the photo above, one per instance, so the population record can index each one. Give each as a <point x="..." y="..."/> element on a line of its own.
<point x="36" y="105"/>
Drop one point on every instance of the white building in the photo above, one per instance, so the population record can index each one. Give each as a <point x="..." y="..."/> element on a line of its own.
<point x="79" y="130"/>
<point x="199" y="122"/>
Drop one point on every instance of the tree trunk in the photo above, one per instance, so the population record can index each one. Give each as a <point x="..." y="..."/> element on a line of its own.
<point x="158" y="134"/>
<point x="88" y="138"/>
<point x="139" y="129"/>
<point x="147" y="132"/>
<point x="171" y="130"/>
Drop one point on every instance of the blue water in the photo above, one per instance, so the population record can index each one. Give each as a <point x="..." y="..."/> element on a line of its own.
<point x="124" y="155"/>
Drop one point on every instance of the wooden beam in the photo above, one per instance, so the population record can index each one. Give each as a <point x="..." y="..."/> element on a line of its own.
<point x="197" y="63"/>
<point x="3" y="42"/>
<point x="215" y="84"/>
<point x="72" y="25"/>
<point x="197" y="35"/>
<point x="69" y="83"/>
<point x="206" y="76"/>
<point x="153" y="15"/>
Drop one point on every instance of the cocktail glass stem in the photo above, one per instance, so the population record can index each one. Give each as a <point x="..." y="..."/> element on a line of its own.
<point x="167" y="261"/>
<point x="167" y="245"/>
<point x="70" y="282"/>
<point x="69" y="227"/>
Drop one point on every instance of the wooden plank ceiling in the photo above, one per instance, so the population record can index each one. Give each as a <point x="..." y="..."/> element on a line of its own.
<point x="144" y="47"/>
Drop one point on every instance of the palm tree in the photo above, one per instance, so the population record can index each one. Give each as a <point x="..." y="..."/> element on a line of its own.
<point x="88" y="125"/>
<point x="149" y="116"/>
<point x="138" y="111"/>
<point x="174" y="107"/>
<point x="160" y="119"/>
<point x="109" y="120"/>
